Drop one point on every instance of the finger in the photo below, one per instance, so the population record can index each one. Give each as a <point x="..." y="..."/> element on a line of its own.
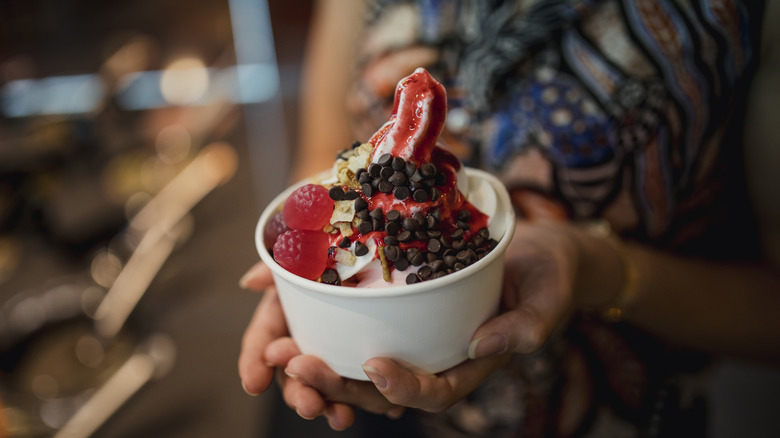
<point x="266" y="325"/>
<point x="521" y="331"/>
<point x="340" y="415"/>
<point x="280" y="351"/>
<point x="257" y="278"/>
<point x="314" y="372"/>
<point x="305" y="400"/>
<point x="429" y="392"/>
<point x="538" y="295"/>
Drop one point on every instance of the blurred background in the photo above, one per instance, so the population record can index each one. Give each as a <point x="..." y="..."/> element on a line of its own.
<point x="138" y="143"/>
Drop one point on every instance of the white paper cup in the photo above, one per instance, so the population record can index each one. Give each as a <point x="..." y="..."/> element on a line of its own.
<point x="426" y="326"/>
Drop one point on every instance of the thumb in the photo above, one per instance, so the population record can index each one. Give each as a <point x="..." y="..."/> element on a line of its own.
<point x="257" y="278"/>
<point x="522" y="330"/>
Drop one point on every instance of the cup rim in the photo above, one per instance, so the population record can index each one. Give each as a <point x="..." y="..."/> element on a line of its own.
<point x="504" y="203"/>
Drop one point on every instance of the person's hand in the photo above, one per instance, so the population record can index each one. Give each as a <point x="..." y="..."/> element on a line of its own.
<point x="267" y="324"/>
<point x="540" y="267"/>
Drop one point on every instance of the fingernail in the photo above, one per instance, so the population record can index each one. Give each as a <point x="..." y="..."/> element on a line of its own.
<point x="246" y="390"/>
<point x="378" y="379"/>
<point x="296" y="377"/>
<point x="489" y="345"/>
<point x="303" y="416"/>
<point x="395" y="413"/>
<point x="243" y="283"/>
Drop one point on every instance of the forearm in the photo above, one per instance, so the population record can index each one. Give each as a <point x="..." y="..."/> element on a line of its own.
<point x="326" y="79"/>
<point x="719" y="307"/>
<point x="712" y="306"/>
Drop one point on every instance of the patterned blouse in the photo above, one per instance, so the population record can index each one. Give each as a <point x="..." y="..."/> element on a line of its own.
<point x="626" y="110"/>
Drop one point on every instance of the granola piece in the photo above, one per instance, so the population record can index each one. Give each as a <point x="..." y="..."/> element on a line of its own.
<point x="345" y="257"/>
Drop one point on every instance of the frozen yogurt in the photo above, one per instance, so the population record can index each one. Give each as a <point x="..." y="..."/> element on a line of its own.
<point x="396" y="209"/>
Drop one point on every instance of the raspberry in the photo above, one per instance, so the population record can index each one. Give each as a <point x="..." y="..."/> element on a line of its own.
<point x="308" y="208"/>
<point x="302" y="252"/>
<point x="273" y="228"/>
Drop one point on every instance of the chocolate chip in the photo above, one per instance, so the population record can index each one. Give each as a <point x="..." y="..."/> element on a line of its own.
<point x="431" y="221"/>
<point x="336" y="193"/>
<point x="416" y="186"/>
<point x="425" y="273"/>
<point x="402" y="263"/>
<point x="477" y="240"/>
<point x="398" y="179"/>
<point x="420" y="235"/>
<point x="392" y="228"/>
<point x="350" y="195"/>
<point x="416" y="176"/>
<point x="428" y="170"/>
<point x="410" y="224"/>
<point x="330" y="277"/>
<point x="420" y="195"/>
<point x="464" y="225"/>
<point x="393" y="215"/>
<point x="420" y="219"/>
<point x="364" y="177"/>
<point x="365" y="227"/>
<point x="458" y="245"/>
<point x="390" y="240"/>
<point x="360" y="249"/>
<point x="398" y="163"/>
<point x="449" y="260"/>
<point x="377" y="213"/>
<point x="458" y="266"/>
<point x="345" y="242"/>
<point x="412" y="279"/>
<point x="404" y="236"/>
<point x="401" y="193"/>
<point x="457" y="234"/>
<point x="463" y="257"/>
<point x="440" y="274"/>
<point x="410" y="168"/>
<point x="433" y="233"/>
<point x="464" y="215"/>
<point x="374" y="169"/>
<point x="437" y="265"/>
<point x="434" y="245"/>
<point x="385" y="160"/>
<point x="431" y="257"/>
<point x="435" y="194"/>
<point x="362" y="214"/>
<point x="360" y="204"/>
<point x="415" y="256"/>
<point x="436" y="213"/>
<point x="484" y="233"/>
<point x="367" y="189"/>
<point x="385" y="186"/>
<point x="377" y="224"/>
<point x="440" y="179"/>
<point x="392" y="253"/>
<point x="386" y="172"/>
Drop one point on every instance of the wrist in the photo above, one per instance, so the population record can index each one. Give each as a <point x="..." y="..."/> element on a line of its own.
<point x="608" y="278"/>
